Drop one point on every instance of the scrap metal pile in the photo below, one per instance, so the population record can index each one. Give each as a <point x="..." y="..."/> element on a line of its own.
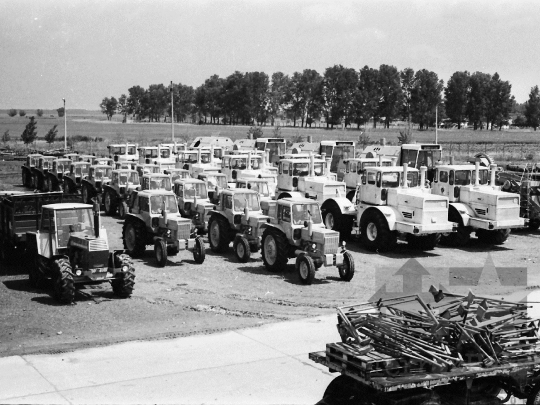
<point x="405" y="335"/>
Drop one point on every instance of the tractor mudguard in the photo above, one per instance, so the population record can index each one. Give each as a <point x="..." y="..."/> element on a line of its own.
<point x="464" y="211"/>
<point x="212" y="212"/>
<point x="388" y="212"/>
<point x="113" y="254"/>
<point x="344" y="204"/>
<point x="268" y="225"/>
<point x="291" y="194"/>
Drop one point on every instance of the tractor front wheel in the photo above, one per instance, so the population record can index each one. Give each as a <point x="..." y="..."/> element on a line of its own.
<point x="494" y="237"/>
<point x="160" y="252"/>
<point x="241" y="249"/>
<point x="134" y="237"/>
<point x="64" y="288"/>
<point x="335" y="220"/>
<point x="423" y="242"/>
<point x="122" y="209"/>
<point x="124" y="282"/>
<point x="375" y="233"/>
<point x="306" y="269"/>
<point x="199" y="251"/>
<point x="218" y="233"/>
<point x="109" y="201"/>
<point x="274" y="250"/>
<point x="346" y="271"/>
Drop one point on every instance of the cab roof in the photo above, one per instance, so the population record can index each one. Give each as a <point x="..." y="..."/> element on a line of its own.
<point x="389" y="169"/>
<point x="161" y="191"/>
<point x="295" y="201"/>
<point x="125" y="171"/>
<point x="460" y="167"/>
<point x="66" y="206"/>
<point x="188" y="180"/>
<point x="239" y="191"/>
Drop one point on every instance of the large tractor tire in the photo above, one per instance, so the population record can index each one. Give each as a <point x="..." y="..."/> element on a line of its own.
<point x="64" y="288"/>
<point x="423" y="242"/>
<point x="124" y="282"/>
<point x="335" y="220"/>
<point x="274" y="250"/>
<point x="494" y="237"/>
<point x="122" y="209"/>
<point x="346" y="271"/>
<point x="241" y="249"/>
<point x="534" y="224"/>
<point x="160" y="252"/>
<point x="306" y="269"/>
<point x="375" y="233"/>
<point x="134" y="237"/>
<point x="218" y="233"/>
<point x="199" y="251"/>
<point x="109" y="201"/>
<point x="86" y="194"/>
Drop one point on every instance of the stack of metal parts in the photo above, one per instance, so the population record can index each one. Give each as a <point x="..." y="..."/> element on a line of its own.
<point x="454" y="331"/>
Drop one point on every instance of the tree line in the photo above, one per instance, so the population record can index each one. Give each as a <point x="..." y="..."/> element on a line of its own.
<point x="339" y="96"/>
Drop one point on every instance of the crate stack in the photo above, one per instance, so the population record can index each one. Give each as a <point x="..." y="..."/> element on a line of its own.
<point x="406" y="335"/>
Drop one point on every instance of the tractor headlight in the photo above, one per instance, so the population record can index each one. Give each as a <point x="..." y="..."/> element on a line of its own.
<point x="196" y="216"/>
<point x="314" y="246"/>
<point x="168" y="233"/>
<point x="125" y="268"/>
<point x="78" y="272"/>
<point x="249" y="229"/>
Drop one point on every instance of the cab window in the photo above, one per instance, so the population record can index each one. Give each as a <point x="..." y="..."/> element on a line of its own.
<point x="371" y="177"/>
<point x="144" y="204"/>
<point x="443" y="177"/>
<point x="227" y="201"/>
<point x="286" y="213"/>
<point x="285" y="168"/>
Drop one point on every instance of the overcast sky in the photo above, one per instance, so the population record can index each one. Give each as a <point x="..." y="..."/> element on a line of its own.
<point x="87" y="50"/>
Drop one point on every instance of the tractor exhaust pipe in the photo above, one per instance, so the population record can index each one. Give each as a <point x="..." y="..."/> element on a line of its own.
<point x="95" y="208"/>
<point x="477" y="172"/>
<point x="212" y="154"/>
<point x="380" y="160"/>
<point x="199" y="153"/>
<point x="423" y="170"/>
<point x="405" y="171"/>
<point x="493" y="168"/>
<point x="394" y="160"/>
<point x="248" y="165"/>
<point x="311" y="164"/>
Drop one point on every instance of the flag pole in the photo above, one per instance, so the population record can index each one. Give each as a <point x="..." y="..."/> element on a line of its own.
<point x="436" y="123"/>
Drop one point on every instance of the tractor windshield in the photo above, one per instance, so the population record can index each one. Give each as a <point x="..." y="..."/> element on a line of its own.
<point x="305" y="212"/>
<point x="81" y="169"/>
<point x="158" y="183"/>
<point x="318" y="168"/>
<point x="119" y="150"/>
<point x="101" y="173"/>
<point x="483" y="177"/>
<point x="192" y="190"/>
<point x="251" y="201"/>
<point x="158" y="202"/>
<point x="390" y="180"/>
<point x="239" y="163"/>
<point x="132" y="150"/>
<point x="190" y="157"/>
<point x="179" y="174"/>
<point x="150" y="153"/>
<point x="300" y="169"/>
<point x="462" y="177"/>
<point x="260" y="187"/>
<point x="73" y="220"/>
<point x="165" y="153"/>
<point x="131" y="177"/>
<point x="216" y="181"/>
<point x="205" y="157"/>
<point x="255" y="163"/>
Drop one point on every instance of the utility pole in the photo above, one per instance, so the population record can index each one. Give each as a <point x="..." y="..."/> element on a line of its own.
<point x="172" y="113"/>
<point x="65" y="125"/>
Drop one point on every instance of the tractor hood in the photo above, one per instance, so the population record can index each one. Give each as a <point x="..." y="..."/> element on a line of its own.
<point x="321" y="186"/>
<point x="490" y="202"/>
<point x="414" y="205"/>
<point x="326" y="239"/>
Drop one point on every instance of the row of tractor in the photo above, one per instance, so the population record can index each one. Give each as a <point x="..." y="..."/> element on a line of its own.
<point x="291" y="204"/>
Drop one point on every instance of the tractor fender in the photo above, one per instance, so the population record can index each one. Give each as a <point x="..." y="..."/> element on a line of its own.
<point x="216" y="212"/>
<point x="343" y="203"/>
<point x="464" y="211"/>
<point x="274" y="226"/>
<point x="289" y="194"/>
<point x="388" y="212"/>
<point x="106" y="187"/>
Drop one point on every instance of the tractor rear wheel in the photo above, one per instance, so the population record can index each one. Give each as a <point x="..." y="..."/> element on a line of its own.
<point x="493" y="237"/>
<point x="160" y="252"/>
<point x="64" y="289"/>
<point x="122" y="209"/>
<point x="346" y="271"/>
<point x="241" y="249"/>
<point x="375" y="233"/>
<point x="306" y="269"/>
<point x="335" y="220"/>
<point x="109" y="201"/>
<point x="134" y="236"/>
<point x="218" y="233"/>
<point x="199" y="251"/>
<point x="124" y="282"/>
<point x="534" y="224"/>
<point x="274" y="250"/>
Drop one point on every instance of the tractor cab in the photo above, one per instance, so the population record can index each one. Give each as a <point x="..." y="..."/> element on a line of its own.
<point x="238" y="165"/>
<point x="355" y="168"/>
<point x="45" y="163"/>
<point x="450" y="179"/>
<point x="102" y="161"/>
<point x="215" y="182"/>
<point x="193" y="202"/>
<point x="61" y="222"/>
<point x="74" y="157"/>
<point x="155" y="155"/>
<point x="156" y="181"/>
<point x="125" y="165"/>
<point x="338" y="152"/>
<point x="79" y="170"/>
<point x="290" y="170"/>
<point x="125" y="178"/>
<point x="275" y="147"/>
<point x="126" y="152"/>
<point x="145" y="168"/>
<point x="101" y="173"/>
<point x="86" y="158"/>
<point x="177" y="174"/>
<point x="32" y="159"/>
<point x="261" y="186"/>
<point x="198" y="161"/>
<point x="61" y="167"/>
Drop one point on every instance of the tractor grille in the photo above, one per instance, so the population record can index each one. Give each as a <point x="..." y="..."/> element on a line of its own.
<point x="97" y="245"/>
<point x="407" y="215"/>
<point x="331" y="244"/>
<point x="480" y="211"/>
<point x="184" y="230"/>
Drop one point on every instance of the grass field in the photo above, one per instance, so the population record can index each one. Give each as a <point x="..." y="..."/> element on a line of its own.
<point x="508" y="145"/>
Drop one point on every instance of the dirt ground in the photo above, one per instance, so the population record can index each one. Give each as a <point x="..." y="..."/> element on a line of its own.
<point x="184" y="298"/>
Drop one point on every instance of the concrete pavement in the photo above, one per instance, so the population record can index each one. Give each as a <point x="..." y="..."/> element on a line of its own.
<point x="265" y="365"/>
